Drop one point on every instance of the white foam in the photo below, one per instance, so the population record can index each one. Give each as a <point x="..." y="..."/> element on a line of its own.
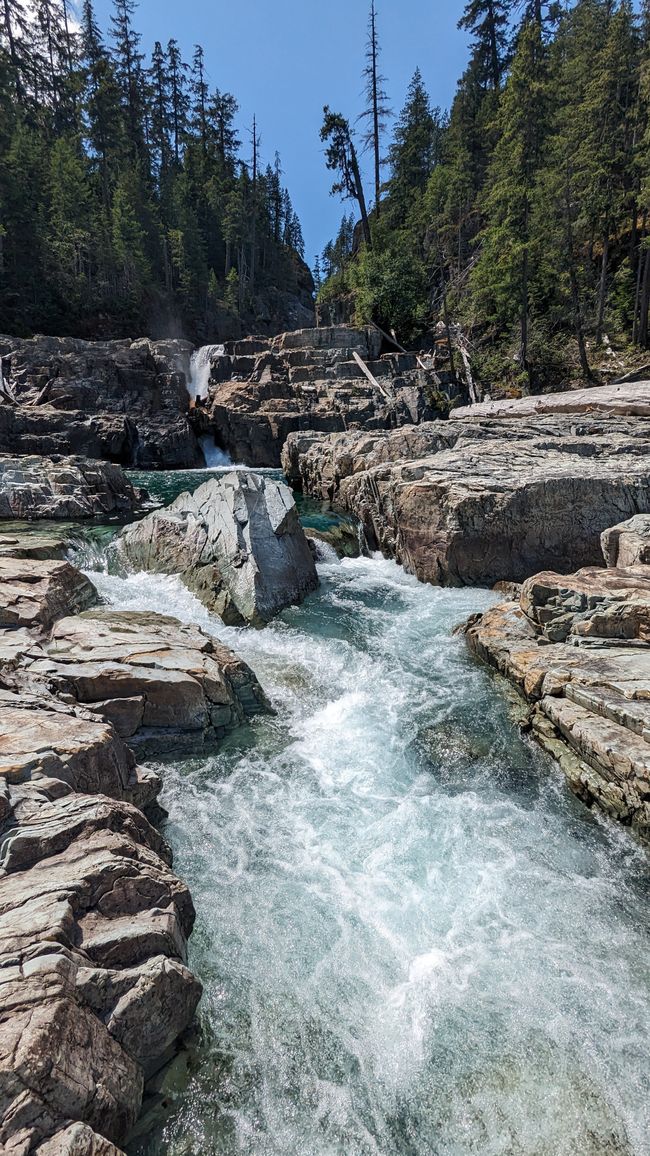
<point x="412" y="938"/>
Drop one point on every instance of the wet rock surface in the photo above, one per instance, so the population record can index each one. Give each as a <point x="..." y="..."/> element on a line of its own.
<point x="478" y="502"/>
<point x="236" y="542"/>
<point x="311" y="379"/>
<point x="94" y="987"/>
<point x="576" y="647"/>
<point x="51" y="489"/>
<point x="124" y="401"/>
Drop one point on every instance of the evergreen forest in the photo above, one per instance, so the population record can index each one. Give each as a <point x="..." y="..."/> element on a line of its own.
<point x="521" y="217"/>
<point x="128" y="202"/>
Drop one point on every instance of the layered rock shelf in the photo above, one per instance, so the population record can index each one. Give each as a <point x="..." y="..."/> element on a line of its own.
<point x="327" y="380"/>
<point x="576" y="647"/>
<point x="482" y="501"/>
<point x="94" y="987"/>
<point x="123" y="401"/>
<point x="51" y="489"/>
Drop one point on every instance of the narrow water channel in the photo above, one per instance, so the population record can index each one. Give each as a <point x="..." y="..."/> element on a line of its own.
<point x="413" y="940"/>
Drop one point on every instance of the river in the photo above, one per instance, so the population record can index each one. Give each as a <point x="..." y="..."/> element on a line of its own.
<point x="413" y="940"/>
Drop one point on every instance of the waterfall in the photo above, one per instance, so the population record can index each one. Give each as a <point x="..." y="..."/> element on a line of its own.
<point x="200" y="369"/>
<point x="214" y="457"/>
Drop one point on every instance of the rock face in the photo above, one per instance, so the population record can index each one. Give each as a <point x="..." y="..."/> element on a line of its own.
<point x="93" y="927"/>
<point x="309" y="380"/>
<point x="629" y="543"/>
<point x="94" y="987"/>
<point x="35" y="594"/>
<point x="479" y="502"/>
<point x="627" y="400"/>
<point x="65" y="488"/>
<point x="148" y="675"/>
<point x="236" y="542"/>
<point x="576" y="647"/>
<point x="124" y="401"/>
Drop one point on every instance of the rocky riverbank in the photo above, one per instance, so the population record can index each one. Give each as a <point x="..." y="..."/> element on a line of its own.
<point x="474" y="502"/>
<point x="93" y="921"/>
<point x="577" y="648"/>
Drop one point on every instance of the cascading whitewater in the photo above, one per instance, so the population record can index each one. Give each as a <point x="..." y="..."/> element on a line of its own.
<point x="201" y="368"/>
<point x="413" y="939"/>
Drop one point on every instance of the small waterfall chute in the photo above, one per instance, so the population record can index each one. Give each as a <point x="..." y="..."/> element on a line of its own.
<point x="201" y="368"/>
<point x="215" y="458"/>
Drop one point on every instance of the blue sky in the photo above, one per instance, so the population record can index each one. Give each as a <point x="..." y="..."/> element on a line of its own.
<point x="285" y="59"/>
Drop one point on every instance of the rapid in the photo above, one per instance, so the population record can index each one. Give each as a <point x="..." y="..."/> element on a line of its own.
<point x="413" y="940"/>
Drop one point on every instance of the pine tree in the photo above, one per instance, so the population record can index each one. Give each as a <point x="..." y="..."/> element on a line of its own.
<point x="178" y="97"/>
<point x="488" y="20"/>
<point x="377" y="111"/>
<point x="501" y="279"/>
<point x="416" y="148"/>
<point x="341" y="157"/>
<point x="199" y="89"/>
<point x="128" y="71"/>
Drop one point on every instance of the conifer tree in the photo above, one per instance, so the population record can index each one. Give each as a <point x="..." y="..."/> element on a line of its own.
<point x="341" y="157"/>
<point x="488" y="20"/>
<point x="377" y="111"/>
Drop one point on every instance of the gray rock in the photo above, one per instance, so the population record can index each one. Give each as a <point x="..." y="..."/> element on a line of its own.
<point x="35" y="593"/>
<point x="627" y="544"/>
<point x="146" y="675"/>
<point x="573" y="646"/>
<point x="125" y="401"/>
<point x="480" y="502"/>
<point x="625" y="400"/>
<point x="236" y="542"/>
<point x="65" y="488"/>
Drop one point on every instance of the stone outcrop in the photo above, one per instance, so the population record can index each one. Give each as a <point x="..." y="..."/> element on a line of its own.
<point x="94" y="986"/>
<point x="236" y="542"/>
<point x="124" y="401"/>
<point x="627" y="544"/>
<point x="577" y="649"/>
<point x="478" y="502"/>
<point x="94" y="990"/>
<point x="309" y="379"/>
<point x="42" y="488"/>
<point x="631" y="399"/>
<point x="34" y="594"/>
<point x="148" y="675"/>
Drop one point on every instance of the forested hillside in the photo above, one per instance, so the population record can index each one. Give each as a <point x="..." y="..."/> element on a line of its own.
<point x="523" y="215"/>
<point x="128" y="203"/>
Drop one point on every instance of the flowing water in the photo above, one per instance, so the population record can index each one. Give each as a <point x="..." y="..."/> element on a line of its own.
<point x="413" y="940"/>
<point x="200" y="369"/>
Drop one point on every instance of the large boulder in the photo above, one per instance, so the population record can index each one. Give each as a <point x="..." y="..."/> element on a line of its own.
<point x="35" y="593"/>
<point x="627" y="544"/>
<point x="65" y="488"/>
<point x="236" y="542"/>
<point x="148" y="675"/>
<point x="478" y="502"/>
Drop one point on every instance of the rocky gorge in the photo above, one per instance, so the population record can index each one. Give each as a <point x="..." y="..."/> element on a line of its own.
<point x="102" y="697"/>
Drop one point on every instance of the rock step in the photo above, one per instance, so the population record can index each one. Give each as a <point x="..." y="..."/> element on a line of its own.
<point x="605" y="745"/>
<point x="634" y="716"/>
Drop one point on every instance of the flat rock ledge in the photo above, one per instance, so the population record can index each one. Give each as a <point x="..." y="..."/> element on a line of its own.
<point x="236" y="542"/>
<point x="94" y="987"/>
<point x="475" y="502"/>
<point x="577" y="649"/>
<point x="55" y="488"/>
